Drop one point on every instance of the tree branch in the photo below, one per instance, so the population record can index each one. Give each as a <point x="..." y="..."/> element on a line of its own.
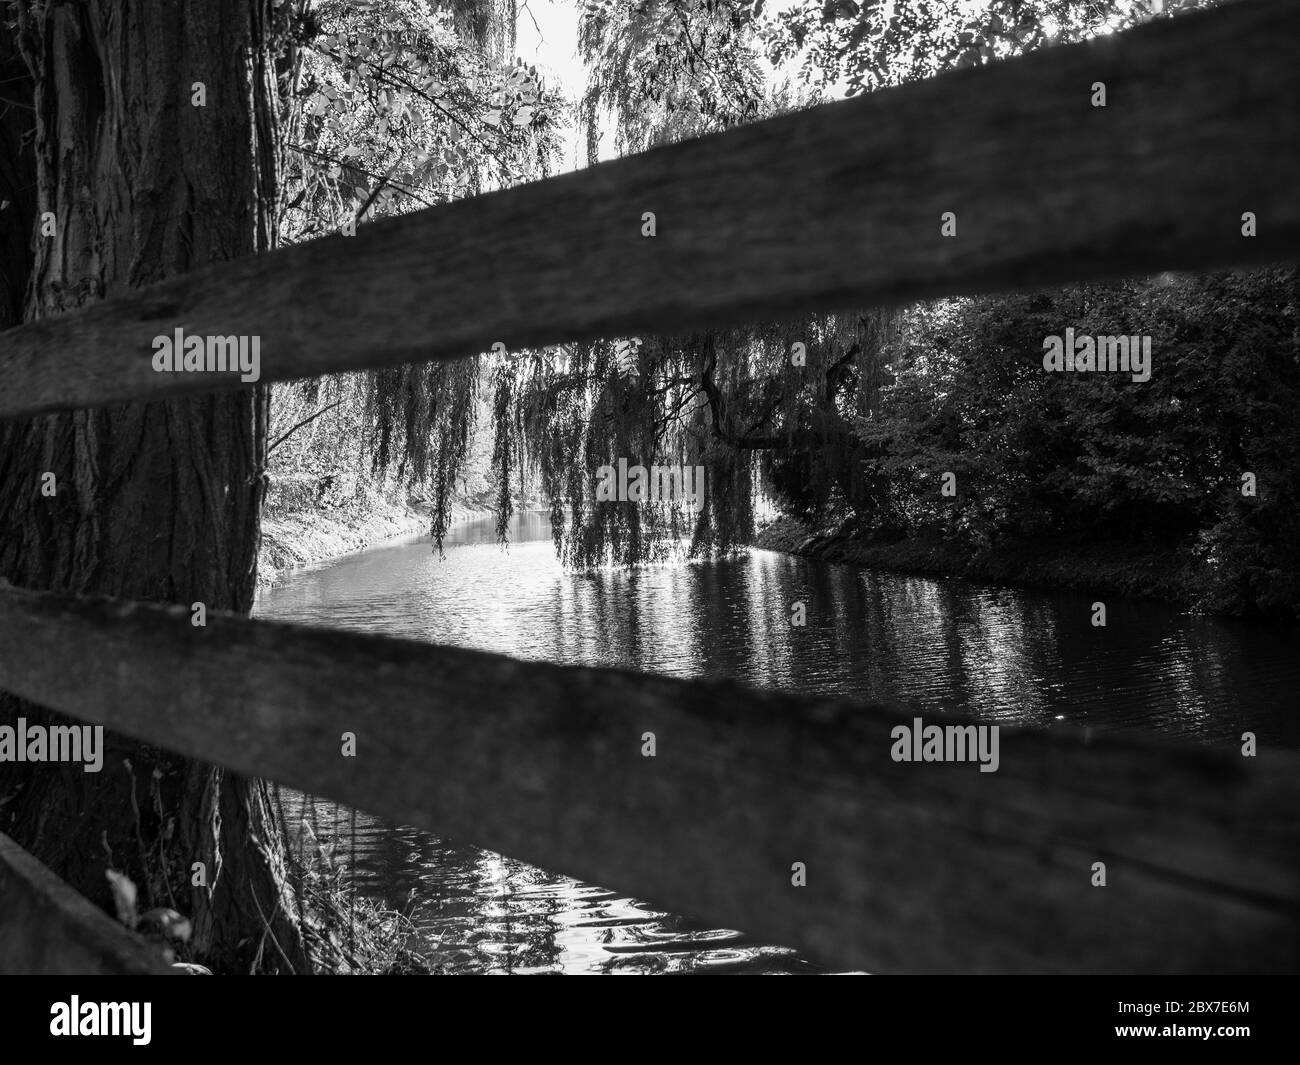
<point x="310" y="418"/>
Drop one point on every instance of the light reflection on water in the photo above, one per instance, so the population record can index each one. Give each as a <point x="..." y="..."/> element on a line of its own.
<point x="1001" y="655"/>
<point x="490" y="914"/>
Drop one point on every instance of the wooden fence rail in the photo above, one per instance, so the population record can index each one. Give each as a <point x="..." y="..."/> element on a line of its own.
<point x="827" y="208"/>
<point x="47" y="928"/>
<point x="910" y="867"/>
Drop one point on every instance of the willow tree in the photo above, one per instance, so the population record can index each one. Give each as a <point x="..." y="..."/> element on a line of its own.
<point x="667" y="70"/>
<point x="403" y="119"/>
<point x="399" y="116"/>
<point x="765" y="408"/>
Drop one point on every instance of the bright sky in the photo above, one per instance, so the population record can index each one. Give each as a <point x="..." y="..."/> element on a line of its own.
<point x="547" y="36"/>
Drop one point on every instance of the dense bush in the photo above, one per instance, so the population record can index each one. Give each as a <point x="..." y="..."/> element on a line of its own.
<point x="1067" y="458"/>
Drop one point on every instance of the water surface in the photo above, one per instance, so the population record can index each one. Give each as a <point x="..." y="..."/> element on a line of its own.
<point x="1002" y="655"/>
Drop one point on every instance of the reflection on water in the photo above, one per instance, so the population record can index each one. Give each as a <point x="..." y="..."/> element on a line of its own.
<point x="1002" y="655"/>
<point x="485" y="913"/>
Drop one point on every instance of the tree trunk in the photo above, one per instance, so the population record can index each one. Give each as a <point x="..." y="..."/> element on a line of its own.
<point x="154" y="501"/>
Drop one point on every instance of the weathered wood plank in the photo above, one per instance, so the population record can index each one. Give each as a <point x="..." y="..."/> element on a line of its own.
<point x="46" y="928"/>
<point x="911" y="867"/>
<point x="836" y="206"/>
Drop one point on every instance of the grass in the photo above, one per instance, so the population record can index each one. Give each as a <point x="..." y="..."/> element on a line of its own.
<point x="348" y="933"/>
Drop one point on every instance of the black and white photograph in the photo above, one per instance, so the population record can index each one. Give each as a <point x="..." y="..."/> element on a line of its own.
<point x="650" y="487"/>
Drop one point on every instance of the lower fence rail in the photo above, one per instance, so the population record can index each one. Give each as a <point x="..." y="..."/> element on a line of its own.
<point x="909" y="866"/>
<point x="46" y="928"/>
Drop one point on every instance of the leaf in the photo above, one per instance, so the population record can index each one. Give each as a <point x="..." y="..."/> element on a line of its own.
<point x="492" y="118"/>
<point x="124" y="895"/>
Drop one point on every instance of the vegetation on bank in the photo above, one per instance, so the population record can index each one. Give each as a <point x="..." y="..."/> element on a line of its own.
<point x="1100" y="569"/>
<point x="966" y="458"/>
<point x="343" y="931"/>
<point x="313" y="517"/>
<point x="347" y="933"/>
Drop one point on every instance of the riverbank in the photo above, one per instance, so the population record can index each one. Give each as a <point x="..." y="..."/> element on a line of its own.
<point x="1128" y="571"/>
<point x="314" y="518"/>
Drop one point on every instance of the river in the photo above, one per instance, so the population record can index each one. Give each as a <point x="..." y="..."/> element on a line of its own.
<point x="934" y="646"/>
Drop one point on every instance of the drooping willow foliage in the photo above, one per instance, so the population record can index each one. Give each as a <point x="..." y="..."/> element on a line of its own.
<point x="399" y="105"/>
<point x="663" y="70"/>
<point x="419" y="418"/>
<point x="763" y="410"/>
<point x="738" y="404"/>
<point x="668" y="70"/>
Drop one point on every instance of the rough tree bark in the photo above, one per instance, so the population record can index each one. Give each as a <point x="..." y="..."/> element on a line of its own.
<point x="155" y="501"/>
